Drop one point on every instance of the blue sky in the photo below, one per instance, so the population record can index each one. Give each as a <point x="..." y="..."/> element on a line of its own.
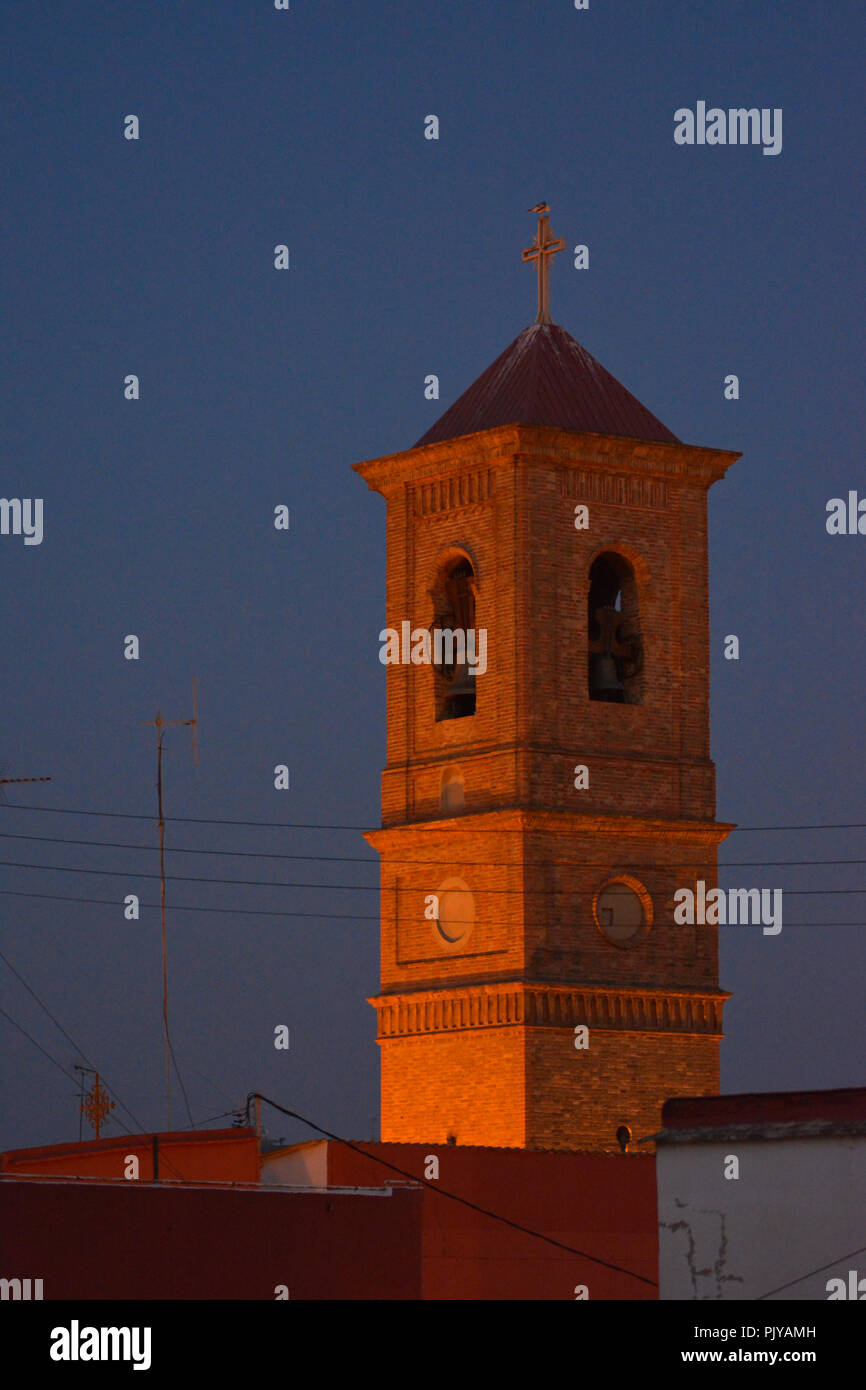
<point x="155" y="257"/>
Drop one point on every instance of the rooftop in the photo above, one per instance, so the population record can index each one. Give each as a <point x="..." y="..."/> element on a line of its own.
<point x="546" y="378"/>
<point x="765" y="1115"/>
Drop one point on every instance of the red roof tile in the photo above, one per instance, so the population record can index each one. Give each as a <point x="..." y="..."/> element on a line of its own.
<point x="546" y="378"/>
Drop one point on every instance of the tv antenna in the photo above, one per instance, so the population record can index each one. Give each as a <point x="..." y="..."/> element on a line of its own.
<point x="161" y="725"/>
<point x="14" y="781"/>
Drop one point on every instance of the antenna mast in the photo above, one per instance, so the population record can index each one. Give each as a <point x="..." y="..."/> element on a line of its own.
<point x="161" y="725"/>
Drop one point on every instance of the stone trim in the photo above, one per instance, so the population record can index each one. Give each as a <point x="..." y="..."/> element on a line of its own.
<point x="472" y="489"/>
<point x="511" y="820"/>
<point x="614" y="487"/>
<point x="548" y="1006"/>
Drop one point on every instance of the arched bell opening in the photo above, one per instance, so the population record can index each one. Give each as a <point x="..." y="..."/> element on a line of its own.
<point x="454" y="596"/>
<point x="615" y="645"/>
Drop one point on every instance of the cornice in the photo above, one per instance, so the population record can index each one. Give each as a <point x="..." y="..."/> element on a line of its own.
<point x="460" y="1008"/>
<point x="516" y="821"/>
<point x="536" y="445"/>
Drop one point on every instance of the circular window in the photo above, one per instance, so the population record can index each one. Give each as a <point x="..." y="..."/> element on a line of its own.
<point x="622" y="909"/>
<point x="455" y="916"/>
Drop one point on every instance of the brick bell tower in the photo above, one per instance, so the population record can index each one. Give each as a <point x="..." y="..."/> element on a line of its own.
<point x="545" y="797"/>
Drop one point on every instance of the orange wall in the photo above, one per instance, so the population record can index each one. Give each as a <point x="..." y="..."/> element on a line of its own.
<point x="224" y="1155"/>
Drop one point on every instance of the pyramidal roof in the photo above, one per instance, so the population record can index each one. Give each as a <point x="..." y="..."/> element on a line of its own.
<point x="546" y="378"/>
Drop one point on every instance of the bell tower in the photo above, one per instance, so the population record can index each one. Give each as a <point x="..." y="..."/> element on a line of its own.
<point x="548" y="784"/>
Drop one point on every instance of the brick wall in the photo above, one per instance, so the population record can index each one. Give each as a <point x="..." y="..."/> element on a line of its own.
<point x="533" y="850"/>
<point x="467" y="1084"/>
<point x="578" y="1099"/>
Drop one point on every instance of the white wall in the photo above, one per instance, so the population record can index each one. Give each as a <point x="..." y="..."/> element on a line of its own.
<point x="303" y="1166"/>
<point x="797" y="1204"/>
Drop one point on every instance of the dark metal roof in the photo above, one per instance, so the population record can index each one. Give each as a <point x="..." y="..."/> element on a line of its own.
<point x="846" y="1105"/>
<point x="793" y="1129"/>
<point x="546" y="378"/>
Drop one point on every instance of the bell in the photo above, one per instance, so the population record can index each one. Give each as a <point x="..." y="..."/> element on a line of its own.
<point x="461" y="696"/>
<point x="604" y="683"/>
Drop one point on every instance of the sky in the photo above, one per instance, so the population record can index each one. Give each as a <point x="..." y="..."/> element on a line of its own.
<point x="259" y="387"/>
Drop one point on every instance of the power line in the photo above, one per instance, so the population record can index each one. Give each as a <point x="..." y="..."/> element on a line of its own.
<point x="28" y="1036"/>
<point x="190" y="820"/>
<point x="181" y="907"/>
<point x="56" y="1021"/>
<point x="53" y="1060"/>
<point x="182" y="1086"/>
<point x="224" y="1114"/>
<point x="810" y="1273"/>
<point x="213" y="1085"/>
<point x="412" y="1177"/>
<point x="465" y="863"/>
<point x="321" y="825"/>
<point x="7" y="962"/>
<point x="273" y="912"/>
<point x="12" y="1173"/>
<point x="347" y="887"/>
<point x="231" y="853"/>
<point x="453" y="1196"/>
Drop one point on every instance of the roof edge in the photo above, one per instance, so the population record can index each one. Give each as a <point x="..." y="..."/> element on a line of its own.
<point x="501" y="442"/>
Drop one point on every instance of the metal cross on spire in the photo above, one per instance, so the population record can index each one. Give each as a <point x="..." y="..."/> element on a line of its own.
<point x="541" y="250"/>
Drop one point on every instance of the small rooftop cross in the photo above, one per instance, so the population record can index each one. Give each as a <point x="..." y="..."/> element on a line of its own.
<point x="97" y="1105"/>
<point x="541" y="250"/>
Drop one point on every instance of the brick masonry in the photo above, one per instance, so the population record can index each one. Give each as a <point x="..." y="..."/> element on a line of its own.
<point x="477" y="1034"/>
